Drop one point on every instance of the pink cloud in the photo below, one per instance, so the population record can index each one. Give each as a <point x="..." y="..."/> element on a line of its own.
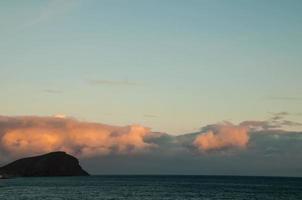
<point x="32" y="135"/>
<point x="221" y="136"/>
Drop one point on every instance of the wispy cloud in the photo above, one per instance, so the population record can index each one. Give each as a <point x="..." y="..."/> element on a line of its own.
<point x="276" y="121"/>
<point x="113" y="82"/>
<point x="150" y="116"/>
<point x="279" y="115"/>
<point x="52" y="91"/>
<point x="286" y="98"/>
<point x="52" y="8"/>
<point x="290" y="123"/>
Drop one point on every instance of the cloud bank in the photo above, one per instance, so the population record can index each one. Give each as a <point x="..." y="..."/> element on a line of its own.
<point x="20" y="136"/>
<point x="136" y="149"/>
<point x="227" y="135"/>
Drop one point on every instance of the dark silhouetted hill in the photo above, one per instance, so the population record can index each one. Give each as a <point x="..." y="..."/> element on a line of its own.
<point x="51" y="164"/>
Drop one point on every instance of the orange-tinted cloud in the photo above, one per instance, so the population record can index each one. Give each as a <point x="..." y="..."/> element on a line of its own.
<point x="32" y="135"/>
<point x="222" y="136"/>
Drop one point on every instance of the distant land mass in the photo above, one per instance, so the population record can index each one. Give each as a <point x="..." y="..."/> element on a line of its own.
<point x="50" y="164"/>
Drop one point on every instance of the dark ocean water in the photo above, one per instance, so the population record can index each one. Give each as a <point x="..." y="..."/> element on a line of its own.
<point x="151" y="187"/>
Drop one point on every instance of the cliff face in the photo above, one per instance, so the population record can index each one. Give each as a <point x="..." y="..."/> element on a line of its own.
<point x="51" y="164"/>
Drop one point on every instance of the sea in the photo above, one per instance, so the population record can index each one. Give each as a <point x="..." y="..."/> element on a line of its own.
<point x="151" y="187"/>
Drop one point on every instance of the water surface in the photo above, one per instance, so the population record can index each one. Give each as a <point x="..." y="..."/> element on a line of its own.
<point x="151" y="187"/>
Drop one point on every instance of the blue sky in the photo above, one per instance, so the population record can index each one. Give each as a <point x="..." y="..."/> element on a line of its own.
<point x="173" y="66"/>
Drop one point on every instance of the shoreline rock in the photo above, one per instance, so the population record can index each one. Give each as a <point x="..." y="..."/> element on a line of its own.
<point x="50" y="164"/>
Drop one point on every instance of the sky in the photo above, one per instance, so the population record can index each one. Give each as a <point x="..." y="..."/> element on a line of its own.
<point x="172" y="67"/>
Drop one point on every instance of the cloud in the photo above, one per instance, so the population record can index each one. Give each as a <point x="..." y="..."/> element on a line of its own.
<point x="286" y="98"/>
<point x="50" y="10"/>
<point x="113" y="82"/>
<point x="220" y="136"/>
<point x="258" y="125"/>
<point x="279" y="115"/>
<point x="290" y="123"/>
<point x="29" y="135"/>
<point x="227" y="135"/>
<point x="139" y="150"/>
<point x="62" y="116"/>
<point x="150" y="116"/>
<point x="51" y="91"/>
<point x="277" y="121"/>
